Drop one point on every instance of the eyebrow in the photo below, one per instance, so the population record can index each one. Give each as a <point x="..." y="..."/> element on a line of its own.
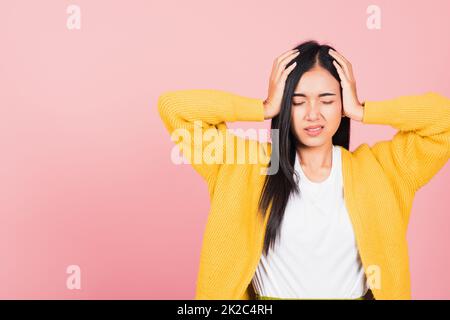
<point x="320" y="95"/>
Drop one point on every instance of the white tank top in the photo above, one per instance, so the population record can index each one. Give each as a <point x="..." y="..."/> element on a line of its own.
<point x="316" y="254"/>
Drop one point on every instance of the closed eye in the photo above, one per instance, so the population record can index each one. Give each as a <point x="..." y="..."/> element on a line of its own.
<point x="324" y="102"/>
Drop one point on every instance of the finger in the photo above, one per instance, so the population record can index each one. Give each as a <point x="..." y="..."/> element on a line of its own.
<point x="343" y="62"/>
<point x="339" y="55"/>
<point x="340" y="71"/>
<point x="287" y="71"/>
<point x="280" y="58"/>
<point x="284" y="55"/>
<point x="283" y="63"/>
<point x="339" y="59"/>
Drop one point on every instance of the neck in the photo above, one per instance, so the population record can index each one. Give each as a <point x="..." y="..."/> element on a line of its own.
<point x="316" y="158"/>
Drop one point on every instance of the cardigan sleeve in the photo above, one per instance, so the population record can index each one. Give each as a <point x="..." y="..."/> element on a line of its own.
<point x="421" y="147"/>
<point x="198" y="116"/>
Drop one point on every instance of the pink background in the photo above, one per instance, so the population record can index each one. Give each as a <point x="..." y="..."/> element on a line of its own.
<point x="85" y="169"/>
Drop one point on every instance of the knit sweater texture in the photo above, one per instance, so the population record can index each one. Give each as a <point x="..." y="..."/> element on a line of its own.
<point x="380" y="182"/>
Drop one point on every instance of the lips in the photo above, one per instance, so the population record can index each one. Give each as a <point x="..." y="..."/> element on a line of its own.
<point x="314" y="130"/>
<point x="314" y="127"/>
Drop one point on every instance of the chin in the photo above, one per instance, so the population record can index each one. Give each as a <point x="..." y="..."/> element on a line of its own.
<point x="308" y="141"/>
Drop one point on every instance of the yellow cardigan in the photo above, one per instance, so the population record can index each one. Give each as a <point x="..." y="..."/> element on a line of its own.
<point x="380" y="182"/>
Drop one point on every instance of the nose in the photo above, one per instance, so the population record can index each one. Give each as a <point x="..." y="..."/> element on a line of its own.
<point x="313" y="112"/>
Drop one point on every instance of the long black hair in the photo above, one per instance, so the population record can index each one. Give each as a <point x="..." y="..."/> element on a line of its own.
<point x="279" y="186"/>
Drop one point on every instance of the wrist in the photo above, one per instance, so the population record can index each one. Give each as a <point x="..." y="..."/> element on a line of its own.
<point x="267" y="110"/>
<point x="359" y="112"/>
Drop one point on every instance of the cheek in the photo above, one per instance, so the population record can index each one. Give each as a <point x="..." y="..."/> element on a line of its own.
<point x="333" y="119"/>
<point x="297" y="123"/>
<point x="332" y="114"/>
<point x="297" y="117"/>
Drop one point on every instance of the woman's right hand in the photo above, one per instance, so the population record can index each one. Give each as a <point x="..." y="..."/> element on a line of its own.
<point x="272" y="104"/>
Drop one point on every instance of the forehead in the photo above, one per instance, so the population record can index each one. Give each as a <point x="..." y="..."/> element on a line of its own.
<point x="317" y="81"/>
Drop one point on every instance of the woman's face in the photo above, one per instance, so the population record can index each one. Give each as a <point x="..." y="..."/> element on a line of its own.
<point x="316" y="102"/>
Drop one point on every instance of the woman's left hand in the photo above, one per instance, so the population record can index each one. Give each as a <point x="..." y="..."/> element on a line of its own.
<point x="352" y="107"/>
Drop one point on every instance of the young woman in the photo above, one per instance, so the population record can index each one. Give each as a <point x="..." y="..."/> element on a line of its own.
<point x="323" y="222"/>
